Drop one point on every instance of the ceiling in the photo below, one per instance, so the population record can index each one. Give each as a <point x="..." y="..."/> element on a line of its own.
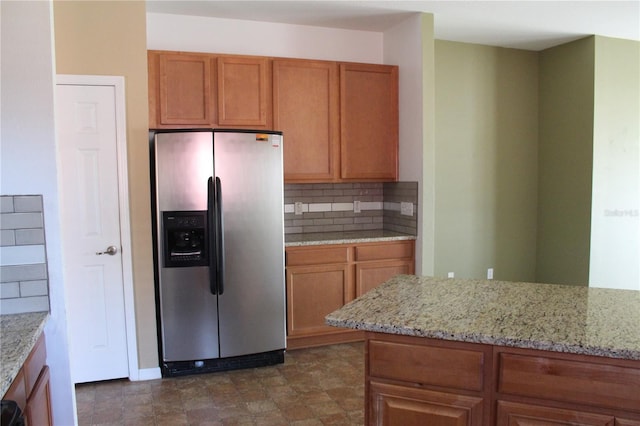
<point x="530" y="25"/>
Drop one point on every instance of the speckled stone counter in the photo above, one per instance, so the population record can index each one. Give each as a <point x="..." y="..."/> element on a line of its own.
<point x="580" y="320"/>
<point x="18" y="335"/>
<point x="349" y="237"/>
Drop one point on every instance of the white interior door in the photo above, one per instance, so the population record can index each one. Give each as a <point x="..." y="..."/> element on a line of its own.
<point x="87" y="136"/>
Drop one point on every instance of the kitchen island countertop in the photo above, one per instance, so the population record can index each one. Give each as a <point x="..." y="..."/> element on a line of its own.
<point x="561" y="318"/>
<point x="346" y="237"/>
<point x="18" y="335"/>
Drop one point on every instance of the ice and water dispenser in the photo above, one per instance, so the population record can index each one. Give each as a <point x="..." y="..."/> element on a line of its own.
<point x="185" y="238"/>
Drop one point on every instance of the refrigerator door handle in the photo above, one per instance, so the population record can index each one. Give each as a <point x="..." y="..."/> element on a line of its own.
<point x="211" y="219"/>
<point x="219" y="237"/>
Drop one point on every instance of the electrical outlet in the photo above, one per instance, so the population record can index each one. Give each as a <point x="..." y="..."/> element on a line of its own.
<point x="450" y="275"/>
<point x="356" y="206"/>
<point x="406" y="209"/>
<point x="490" y="273"/>
<point x="297" y="207"/>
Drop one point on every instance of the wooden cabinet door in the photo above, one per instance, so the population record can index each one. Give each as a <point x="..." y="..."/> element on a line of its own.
<point x="371" y="274"/>
<point x="515" y="414"/>
<point x="409" y="406"/>
<point x="306" y="110"/>
<point x="312" y="293"/>
<point x="626" y="422"/>
<point x="38" y="409"/>
<point x="184" y="89"/>
<point x="243" y="92"/>
<point x="369" y="122"/>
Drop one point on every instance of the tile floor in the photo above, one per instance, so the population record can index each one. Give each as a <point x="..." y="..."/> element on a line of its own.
<point x="316" y="386"/>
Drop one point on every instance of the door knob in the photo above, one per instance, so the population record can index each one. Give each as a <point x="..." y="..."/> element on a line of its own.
<point x="111" y="250"/>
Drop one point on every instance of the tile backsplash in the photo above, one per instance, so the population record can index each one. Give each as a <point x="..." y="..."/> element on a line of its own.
<point x="23" y="264"/>
<point x="350" y="207"/>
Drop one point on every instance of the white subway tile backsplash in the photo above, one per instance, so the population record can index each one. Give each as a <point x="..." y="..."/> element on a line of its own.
<point x="23" y="273"/>
<point x="23" y="305"/>
<point x="320" y="207"/>
<point x="23" y="268"/>
<point x="27" y="203"/>
<point x="330" y="207"/>
<point x="342" y="207"/>
<point x="21" y="220"/>
<point x="9" y="290"/>
<point x="29" y="236"/>
<point x="33" y="288"/>
<point x="7" y="237"/>
<point x="22" y="255"/>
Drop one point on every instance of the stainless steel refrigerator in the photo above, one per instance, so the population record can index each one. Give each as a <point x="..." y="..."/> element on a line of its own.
<point x="219" y="249"/>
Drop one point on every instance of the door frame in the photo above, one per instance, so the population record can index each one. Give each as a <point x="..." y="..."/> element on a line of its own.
<point x="117" y="82"/>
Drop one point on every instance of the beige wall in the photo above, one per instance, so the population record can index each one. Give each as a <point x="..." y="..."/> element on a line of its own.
<point x="109" y="38"/>
<point x="615" y="215"/>
<point x="486" y="126"/>
<point x="565" y="162"/>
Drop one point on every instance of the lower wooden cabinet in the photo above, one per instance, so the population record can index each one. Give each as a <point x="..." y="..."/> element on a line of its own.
<point x="38" y="409"/>
<point x="409" y="406"/>
<point x="321" y="279"/>
<point x="312" y="293"/>
<point x="31" y="388"/>
<point x="420" y="381"/>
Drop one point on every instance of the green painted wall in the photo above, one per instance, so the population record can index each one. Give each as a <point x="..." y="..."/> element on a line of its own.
<point x="486" y="125"/>
<point x="565" y="162"/>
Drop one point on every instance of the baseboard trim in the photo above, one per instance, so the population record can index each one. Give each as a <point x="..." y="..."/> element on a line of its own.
<point x="149" y="374"/>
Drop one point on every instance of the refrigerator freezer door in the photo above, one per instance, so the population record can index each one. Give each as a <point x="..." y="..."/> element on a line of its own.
<point x="188" y="310"/>
<point x="252" y="307"/>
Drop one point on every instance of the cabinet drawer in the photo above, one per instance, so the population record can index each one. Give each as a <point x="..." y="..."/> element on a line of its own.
<point x="511" y="413"/>
<point x="317" y="256"/>
<point x="395" y="250"/>
<point x="603" y="385"/>
<point x="438" y="366"/>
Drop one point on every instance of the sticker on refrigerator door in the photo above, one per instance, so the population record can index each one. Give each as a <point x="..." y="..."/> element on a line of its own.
<point x="262" y="137"/>
<point x="276" y="140"/>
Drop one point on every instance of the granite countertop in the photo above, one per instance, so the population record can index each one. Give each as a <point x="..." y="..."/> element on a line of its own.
<point x="347" y="237"/>
<point x="18" y="335"/>
<point x="561" y="318"/>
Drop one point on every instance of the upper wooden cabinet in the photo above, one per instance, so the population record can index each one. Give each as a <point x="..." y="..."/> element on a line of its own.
<point x="369" y="122"/>
<point x="243" y="92"/>
<point x="306" y="110"/>
<point x="182" y="84"/>
<point x="206" y="90"/>
<point x="340" y="120"/>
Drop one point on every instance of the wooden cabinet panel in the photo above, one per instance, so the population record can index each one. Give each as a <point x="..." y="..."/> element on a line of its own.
<point x="38" y="410"/>
<point x="184" y="89"/>
<point x="34" y="364"/>
<point x="312" y="293"/>
<point x="515" y="414"/>
<point x="318" y="255"/>
<point x="626" y="422"/>
<point x="601" y="384"/>
<point x="30" y="388"/>
<point x="372" y="274"/>
<point x="17" y="391"/>
<point x="383" y="251"/>
<point x="306" y="110"/>
<point x="243" y="91"/>
<point x="369" y="122"/>
<point x="407" y="406"/>
<point x="321" y="279"/>
<point x="448" y="367"/>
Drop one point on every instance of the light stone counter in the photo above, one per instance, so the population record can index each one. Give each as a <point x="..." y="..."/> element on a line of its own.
<point x="580" y="320"/>
<point x="348" y="237"/>
<point x="18" y="335"/>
